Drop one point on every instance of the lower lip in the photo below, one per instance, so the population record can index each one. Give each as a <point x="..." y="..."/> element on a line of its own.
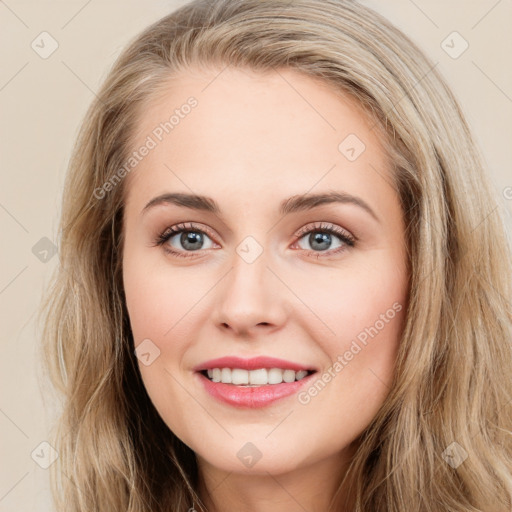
<point x="251" y="397"/>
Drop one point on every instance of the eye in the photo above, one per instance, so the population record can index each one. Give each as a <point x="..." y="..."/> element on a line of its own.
<point x="320" y="238"/>
<point x="185" y="239"/>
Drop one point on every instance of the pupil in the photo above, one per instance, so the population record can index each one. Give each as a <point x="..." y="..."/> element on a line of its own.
<point x="320" y="238"/>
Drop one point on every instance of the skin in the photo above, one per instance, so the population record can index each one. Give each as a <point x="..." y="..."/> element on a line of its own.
<point x="254" y="140"/>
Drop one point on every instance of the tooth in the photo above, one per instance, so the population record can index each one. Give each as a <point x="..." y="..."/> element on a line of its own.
<point x="258" y="376"/>
<point x="288" y="375"/>
<point x="239" y="376"/>
<point x="210" y="373"/>
<point x="275" y="376"/>
<point x="301" y="374"/>
<point x="225" y="375"/>
<point x="216" y="375"/>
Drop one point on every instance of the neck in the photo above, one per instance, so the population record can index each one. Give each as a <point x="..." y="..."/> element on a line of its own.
<point x="315" y="488"/>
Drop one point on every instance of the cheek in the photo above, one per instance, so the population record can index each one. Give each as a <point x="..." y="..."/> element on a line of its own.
<point x="347" y="301"/>
<point x="145" y="303"/>
<point x="362" y="312"/>
<point x="158" y="297"/>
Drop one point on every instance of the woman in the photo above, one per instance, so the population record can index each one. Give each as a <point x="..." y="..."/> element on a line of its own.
<point x="211" y="355"/>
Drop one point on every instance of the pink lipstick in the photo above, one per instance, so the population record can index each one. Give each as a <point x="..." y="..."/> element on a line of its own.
<point x="252" y="383"/>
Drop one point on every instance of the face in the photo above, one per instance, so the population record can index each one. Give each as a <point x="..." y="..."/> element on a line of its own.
<point x="260" y="269"/>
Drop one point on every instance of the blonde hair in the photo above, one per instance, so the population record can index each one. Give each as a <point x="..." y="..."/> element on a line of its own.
<point x="453" y="372"/>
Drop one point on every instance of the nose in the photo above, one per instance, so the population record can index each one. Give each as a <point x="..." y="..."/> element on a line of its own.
<point x="251" y="300"/>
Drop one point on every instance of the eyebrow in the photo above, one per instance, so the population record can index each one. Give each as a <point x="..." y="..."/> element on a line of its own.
<point x="293" y="204"/>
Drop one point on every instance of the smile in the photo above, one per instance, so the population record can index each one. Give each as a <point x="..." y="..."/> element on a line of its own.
<point x="252" y="396"/>
<point x="251" y="383"/>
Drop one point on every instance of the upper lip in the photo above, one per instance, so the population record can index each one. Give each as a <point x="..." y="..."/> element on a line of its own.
<point x="251" y="364"/>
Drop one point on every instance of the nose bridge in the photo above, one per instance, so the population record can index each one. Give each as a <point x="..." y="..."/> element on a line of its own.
<point x="250" y="295"/>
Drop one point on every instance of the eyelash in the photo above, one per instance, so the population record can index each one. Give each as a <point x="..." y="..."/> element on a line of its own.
<point x="347" y="239"/>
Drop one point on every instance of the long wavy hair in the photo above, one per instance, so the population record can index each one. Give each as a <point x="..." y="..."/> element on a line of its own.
<point x="452" y="392"/>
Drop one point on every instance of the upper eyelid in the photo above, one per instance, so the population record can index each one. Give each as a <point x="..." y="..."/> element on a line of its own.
<point x="323" y="225"/>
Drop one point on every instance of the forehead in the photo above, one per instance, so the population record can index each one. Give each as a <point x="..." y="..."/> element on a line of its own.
<point x="251" y="130"/>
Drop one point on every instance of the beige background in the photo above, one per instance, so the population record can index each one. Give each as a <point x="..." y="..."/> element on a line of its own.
<point x="43" y="101"/>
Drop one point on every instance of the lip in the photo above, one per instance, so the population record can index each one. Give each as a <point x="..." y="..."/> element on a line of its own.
<point x="252" y="364"/>
<point x="251" y="397"/>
